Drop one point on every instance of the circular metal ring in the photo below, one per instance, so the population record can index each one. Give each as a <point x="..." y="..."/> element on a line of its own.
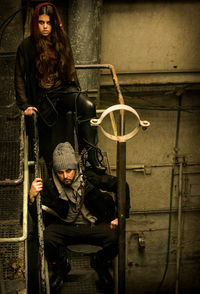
<point x="96" y="122"/>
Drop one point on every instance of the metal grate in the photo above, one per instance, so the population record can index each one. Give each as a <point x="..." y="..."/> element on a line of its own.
<point x="12" y="255"/>
<point x="12" y="265"/>
<point x="7" y="65"/>
<point x="11" y="203"/>
<point x="9" y="160"/>
<point x="82" y="278"/>
<point x="10" y="125"/>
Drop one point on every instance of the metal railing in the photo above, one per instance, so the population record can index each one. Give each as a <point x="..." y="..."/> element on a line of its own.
<point x="9" y="182"/>
<point x="14" y="205"/>
<point x="24" y="177"/>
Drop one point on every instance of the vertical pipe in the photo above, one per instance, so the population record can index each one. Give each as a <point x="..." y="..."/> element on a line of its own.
<point x="121" y="174"/>
<point x="178" y="127"/>
<point x="179" y="233"/>
<point x="176" y="149"/>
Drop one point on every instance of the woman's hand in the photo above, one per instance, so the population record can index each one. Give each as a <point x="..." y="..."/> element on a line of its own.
<point x="29" y="110"/>
<point x="114" y="223"/>
<point x="36" y="187"/>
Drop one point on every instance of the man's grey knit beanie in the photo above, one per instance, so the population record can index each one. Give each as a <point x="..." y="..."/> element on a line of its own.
<point x="64" y="157"/>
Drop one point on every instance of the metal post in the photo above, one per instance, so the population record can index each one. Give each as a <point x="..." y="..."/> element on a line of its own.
<point x="179" y="234"/>
<point x="121" y="191"/>
<point x="179" y="237"/>
<point x="121" y="174"/>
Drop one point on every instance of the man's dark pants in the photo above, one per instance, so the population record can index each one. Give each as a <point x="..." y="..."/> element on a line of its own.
<point x="57" y="236"/>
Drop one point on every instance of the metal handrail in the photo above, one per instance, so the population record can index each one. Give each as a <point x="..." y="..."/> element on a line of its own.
<point x="113" y="73"/>
<point x="25" y="192"/>
<point x="19" y="180"/>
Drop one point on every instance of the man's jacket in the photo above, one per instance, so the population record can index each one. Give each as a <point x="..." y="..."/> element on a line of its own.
<point x="97" y="198"/>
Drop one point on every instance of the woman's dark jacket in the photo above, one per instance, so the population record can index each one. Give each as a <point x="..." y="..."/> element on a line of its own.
<point x="97" y="200"/>
<point x="26" y="84"/>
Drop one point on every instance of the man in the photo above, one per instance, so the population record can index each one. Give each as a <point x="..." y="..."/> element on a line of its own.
<point x="77" y="210"/>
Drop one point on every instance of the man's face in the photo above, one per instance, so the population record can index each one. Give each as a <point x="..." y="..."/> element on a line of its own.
<point x="44" y="25"/>
<point x="66" y="176"/>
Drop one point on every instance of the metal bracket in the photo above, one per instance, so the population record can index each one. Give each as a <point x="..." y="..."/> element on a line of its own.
<point x="142" y="123"/>
<point x="141" y="241"/>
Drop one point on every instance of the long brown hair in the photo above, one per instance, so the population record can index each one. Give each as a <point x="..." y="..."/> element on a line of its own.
<point x="54" y="53"/>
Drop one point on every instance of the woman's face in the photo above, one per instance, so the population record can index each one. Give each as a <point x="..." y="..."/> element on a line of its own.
<point x="44" y="25"/>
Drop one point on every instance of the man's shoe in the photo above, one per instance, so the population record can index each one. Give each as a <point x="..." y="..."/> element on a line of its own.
<point x="105" y="282"/>
<point x="62" y="268"/>
<point x="105" y="287"/>
<point x="56" y="283"/>
<point x="59" y="271"/>
<point x="66" y="268"/>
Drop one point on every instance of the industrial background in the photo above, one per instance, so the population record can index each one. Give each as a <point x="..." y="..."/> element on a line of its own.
<point x="155" y="49"/>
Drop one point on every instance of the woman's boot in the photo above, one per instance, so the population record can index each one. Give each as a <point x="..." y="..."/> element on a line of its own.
<point x="87" y="139"/>
<point x="95" y="161"/>
<point x="87" y="135"/>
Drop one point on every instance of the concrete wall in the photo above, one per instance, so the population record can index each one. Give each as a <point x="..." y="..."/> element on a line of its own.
<point x="154" y="46"/>
<point x="151" y="36"/>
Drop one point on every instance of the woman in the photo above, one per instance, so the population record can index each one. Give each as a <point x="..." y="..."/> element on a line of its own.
<point x="46" y="82"/>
